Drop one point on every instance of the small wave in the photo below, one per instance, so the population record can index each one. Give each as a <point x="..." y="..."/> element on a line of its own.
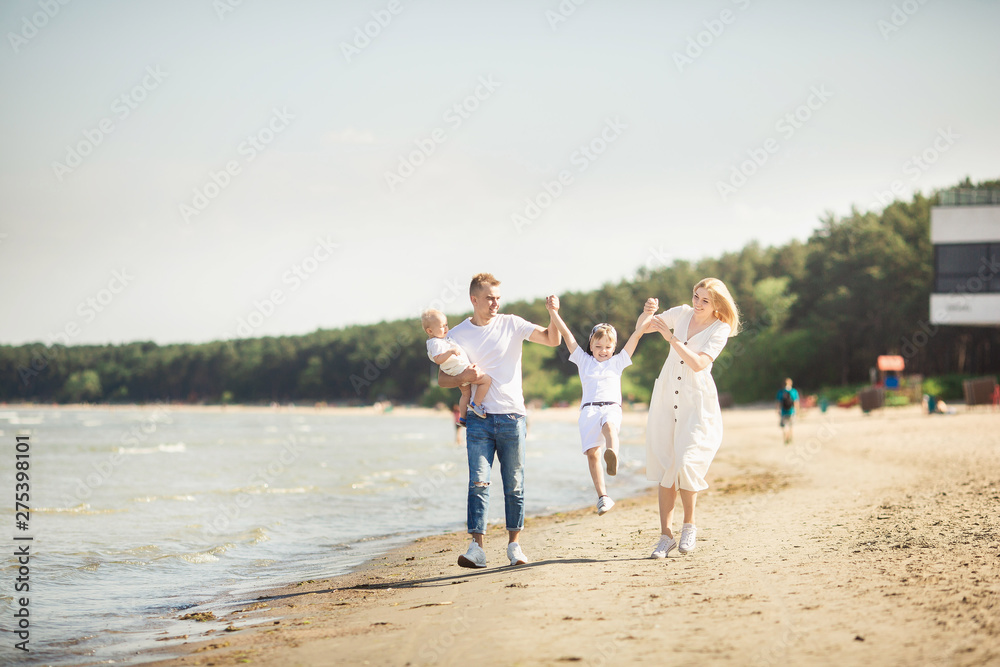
<point x="152" y="499"/>
<point x="145" y="550"/>
<point x="82" y="508"/>
<point x="28" y="421"/>
<point x="202" y="557"/>
<point x="92" y="422"/>
<point x="170" y="448"/>
<point x="261" y="490"/>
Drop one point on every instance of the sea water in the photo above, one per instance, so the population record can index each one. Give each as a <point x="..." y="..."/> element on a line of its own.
<point x="139" y="514"/>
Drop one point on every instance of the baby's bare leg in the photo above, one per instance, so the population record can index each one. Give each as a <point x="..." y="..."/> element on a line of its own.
<point x="482" y="387"/>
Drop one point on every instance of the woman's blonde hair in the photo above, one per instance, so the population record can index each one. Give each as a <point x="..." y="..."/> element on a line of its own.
<point x="722" y="302"/>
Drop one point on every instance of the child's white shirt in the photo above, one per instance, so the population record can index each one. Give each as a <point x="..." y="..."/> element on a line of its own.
<point x="602" y="380"/>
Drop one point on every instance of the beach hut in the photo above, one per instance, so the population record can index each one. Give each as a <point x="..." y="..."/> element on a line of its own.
<point x="889" y="368"/>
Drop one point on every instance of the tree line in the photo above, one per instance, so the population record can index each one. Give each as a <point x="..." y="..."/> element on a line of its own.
<point x="820" y="311"/>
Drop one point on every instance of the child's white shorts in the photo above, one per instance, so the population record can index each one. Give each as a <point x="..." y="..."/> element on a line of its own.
<point x="592" y="420"/>
<point x="455" y="365"/>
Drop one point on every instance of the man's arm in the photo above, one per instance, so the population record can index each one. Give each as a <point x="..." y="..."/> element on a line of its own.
<point x="549" y="337"/>
<point x="470" y="374"/>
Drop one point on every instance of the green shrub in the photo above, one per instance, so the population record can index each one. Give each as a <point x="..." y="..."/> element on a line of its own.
<point x="948" y="387"/>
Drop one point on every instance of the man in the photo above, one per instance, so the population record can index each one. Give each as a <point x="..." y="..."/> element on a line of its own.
<point x="788" y="403"/>
<point x="493" y="345"/>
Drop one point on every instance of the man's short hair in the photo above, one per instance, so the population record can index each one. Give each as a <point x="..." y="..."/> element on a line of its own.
<point x="480" y="281"/>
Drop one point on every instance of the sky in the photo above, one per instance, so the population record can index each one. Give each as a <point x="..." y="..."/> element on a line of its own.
<point x="211" y="169"/>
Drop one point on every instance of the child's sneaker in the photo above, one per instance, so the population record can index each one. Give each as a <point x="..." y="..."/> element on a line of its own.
<point x="611" y="458"/>
<point x="604" y="505"/>
<point x="477" y="410"/>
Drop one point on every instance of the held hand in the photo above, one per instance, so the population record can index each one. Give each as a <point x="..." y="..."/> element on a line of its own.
<point x="651" y="306"/>
<point x="659" y="325"/>
<point x="643" y="324"/>
<point x="552" y="303"/>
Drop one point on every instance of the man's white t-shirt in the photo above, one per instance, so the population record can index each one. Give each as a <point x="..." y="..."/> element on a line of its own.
<point x="602" y="380"/>
<point x="496" y="349"/>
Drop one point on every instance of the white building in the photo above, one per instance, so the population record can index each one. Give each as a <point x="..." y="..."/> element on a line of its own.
<point x="965" y="231"/>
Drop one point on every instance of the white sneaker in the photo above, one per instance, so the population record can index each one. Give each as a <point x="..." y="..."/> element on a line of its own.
<point x="604" y="505"/>
<point x="611" y="459"/>
<point x="688" y="532"/>
<point x="474" y="557"/>
<point x="665" y="546"/>
<point x="515" y="554"/>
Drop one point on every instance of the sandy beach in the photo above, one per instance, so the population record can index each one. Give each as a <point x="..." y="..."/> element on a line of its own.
<point x="870" y="540"/>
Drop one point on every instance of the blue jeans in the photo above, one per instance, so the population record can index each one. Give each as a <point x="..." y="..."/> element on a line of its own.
<point x="502" y="435"/>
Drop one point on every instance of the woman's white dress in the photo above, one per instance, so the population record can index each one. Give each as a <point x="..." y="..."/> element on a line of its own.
<point x="684" y="427"/>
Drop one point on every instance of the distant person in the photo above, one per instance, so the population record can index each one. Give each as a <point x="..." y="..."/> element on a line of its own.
<point x="459" y="423"/>
<point x="444" y="352"/>
<point x="601" y="406"/>
<point x="493" y="343"/>
<point x="788" y="404"/>
<point x="684" y="427"/>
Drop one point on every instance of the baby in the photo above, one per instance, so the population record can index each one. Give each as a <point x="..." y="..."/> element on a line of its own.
<point x="444" y="352"/>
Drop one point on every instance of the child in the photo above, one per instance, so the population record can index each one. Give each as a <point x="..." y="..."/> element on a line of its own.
<point x="449" y="356"/>
<point x="600" y="407"/>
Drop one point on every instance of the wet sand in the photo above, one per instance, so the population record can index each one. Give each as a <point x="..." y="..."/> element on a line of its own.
<point x="869" y="540"/>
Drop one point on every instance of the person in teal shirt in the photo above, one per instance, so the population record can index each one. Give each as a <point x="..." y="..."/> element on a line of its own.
<point x="788" y="404"/>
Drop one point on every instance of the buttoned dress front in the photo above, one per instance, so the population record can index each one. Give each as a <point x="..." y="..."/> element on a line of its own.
<point x="684" y="426"/>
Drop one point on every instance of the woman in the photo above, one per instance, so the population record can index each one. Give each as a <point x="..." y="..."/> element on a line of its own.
<point x="684" y="429"/>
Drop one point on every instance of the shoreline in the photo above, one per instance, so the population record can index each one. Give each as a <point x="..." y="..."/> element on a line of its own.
<point x="831" y="551"/>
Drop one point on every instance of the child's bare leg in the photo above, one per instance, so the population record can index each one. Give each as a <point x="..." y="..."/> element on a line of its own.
<point x="463" y="403"/>
<point x="610" y="432"/>
<point x="482" y="387"/>
<point x="596" y="473"/>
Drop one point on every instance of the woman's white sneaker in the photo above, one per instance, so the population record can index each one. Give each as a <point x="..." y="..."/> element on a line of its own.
<point x="688" y="532"/>
<point x="604" y="505"/>
<point x="474" y="557"/>
<point x="665" y="546"/>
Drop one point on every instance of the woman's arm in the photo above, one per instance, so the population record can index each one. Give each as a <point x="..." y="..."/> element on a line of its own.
<point x="698" y="361"/>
